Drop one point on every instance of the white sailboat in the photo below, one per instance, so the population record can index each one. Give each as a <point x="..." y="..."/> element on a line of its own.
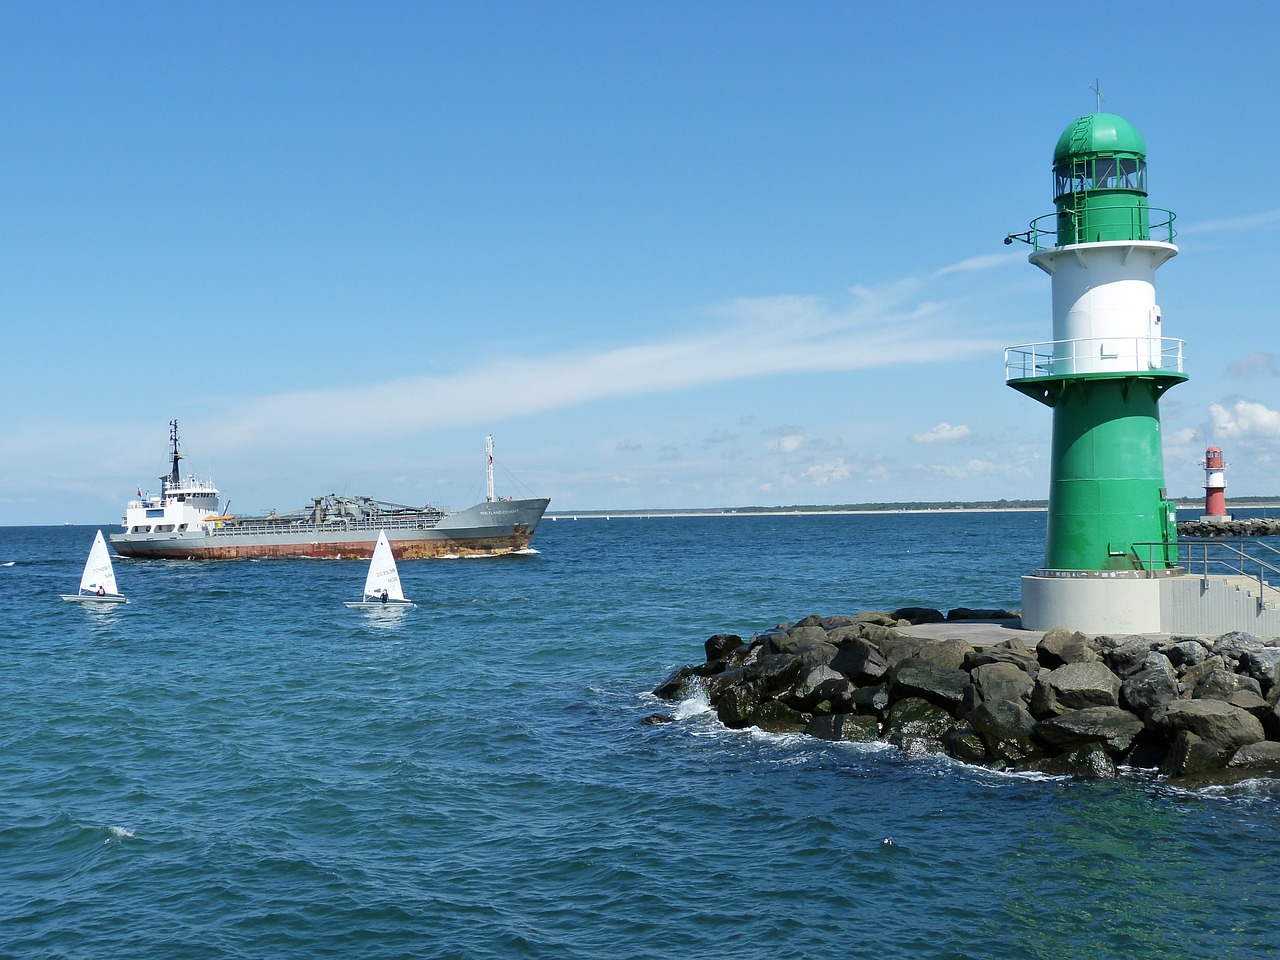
<point x="98" y="582"/>
<point x="382" y="586"/>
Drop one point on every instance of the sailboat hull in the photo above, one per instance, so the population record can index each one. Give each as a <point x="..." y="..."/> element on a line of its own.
<point x="93" y="598"/>
<point x="379" y="605"/>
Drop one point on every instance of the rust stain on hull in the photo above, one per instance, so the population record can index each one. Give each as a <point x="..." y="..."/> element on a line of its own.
<point x="404" y="550"/>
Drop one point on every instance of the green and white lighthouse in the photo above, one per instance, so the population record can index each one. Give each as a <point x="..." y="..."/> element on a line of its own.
<point x="1111" y="526"/>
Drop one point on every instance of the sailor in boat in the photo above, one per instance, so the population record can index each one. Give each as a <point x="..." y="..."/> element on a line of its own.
<point x="101" y="591"/>
<point x="384" y="595"/>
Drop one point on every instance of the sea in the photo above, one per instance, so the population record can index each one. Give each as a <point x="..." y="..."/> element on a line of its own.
<point x="235" y="765"/>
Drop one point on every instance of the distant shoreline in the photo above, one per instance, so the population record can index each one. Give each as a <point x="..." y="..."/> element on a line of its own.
<point x="850" y="510"/>
<point x="798" y="512"/>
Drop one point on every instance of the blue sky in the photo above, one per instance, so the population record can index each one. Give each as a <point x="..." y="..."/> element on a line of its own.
<point x="668" y="254"/>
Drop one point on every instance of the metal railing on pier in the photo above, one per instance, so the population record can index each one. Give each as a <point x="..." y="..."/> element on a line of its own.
<point x="1243" y="557"/>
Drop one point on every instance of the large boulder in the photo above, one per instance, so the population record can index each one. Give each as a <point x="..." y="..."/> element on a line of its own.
<point x="1074" y="686"/>
<point x="872" y="699"/>
<point x="899" y="648"/>
<point x="844" y="727"/>
<point x="1264" y="756"/>
<point x="1001" y="681"/>
<point x="1189" y="756"/>
<point x="809" y="643"/>
<point x="1232" y="646"/>
<point x="1190" y="677"/>
<point x="914" y="615"/>
<point x="1110" y="726"/>
<point x="1224" y="727"/>
<point x="737" y="704"/>
<point x="774" y="717"/>
<point x="861" y="661"/>
<point x="1271" y="716"/>
<point x="1089" y="762"/>
<point x="1007" y="728"/>
<point x="821" y="684"/>
<point x="715" y="685"/>
<point x="1007" y="651"/>
<point x="942" y="686"/>
<point x="1059" y="646"/>
<point x="777" y="671"/>
<point x="1223" y="685"/>
<point x="963" y="743"/>
<point x="1150" y="687"/>
<point x="1125" y="655"/>
<point x="1263" y="665"/>
<point x="877" y="632"/>
<point x="945" y="653"/>
<point x="677" y="686"/>
<point x="1249" y="700"/>
<point x="979" y="613"/>
<point x="721" y="645"/>
<point x="917" y="726"/>
<point x="1185" y="652"/>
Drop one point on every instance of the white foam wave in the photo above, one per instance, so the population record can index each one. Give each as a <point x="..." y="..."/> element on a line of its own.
<point x="696" y="705"/>
<point x="118" y="833"/>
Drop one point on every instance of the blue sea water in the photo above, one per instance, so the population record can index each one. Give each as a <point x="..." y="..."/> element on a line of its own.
<point x="235" y="765"/>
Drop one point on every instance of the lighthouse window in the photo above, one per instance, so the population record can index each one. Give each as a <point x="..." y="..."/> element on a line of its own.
<point x="1104" y="172"/>
<point x="1071" y="177"/>
<point x="1133" y="175"/>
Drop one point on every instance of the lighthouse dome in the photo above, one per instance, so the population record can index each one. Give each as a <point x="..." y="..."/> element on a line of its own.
<point x="1096" y="133"/>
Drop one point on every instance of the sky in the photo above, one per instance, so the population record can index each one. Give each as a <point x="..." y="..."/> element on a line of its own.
<point x="667" y="254"/>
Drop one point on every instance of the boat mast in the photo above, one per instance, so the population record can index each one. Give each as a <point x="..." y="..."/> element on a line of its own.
<point x="174" y="478"/>
<point x="488" y="446"/>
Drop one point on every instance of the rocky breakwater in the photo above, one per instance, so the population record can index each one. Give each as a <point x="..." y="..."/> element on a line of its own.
<point x="1071" y="704"/>
<point x="1230" y="527"/>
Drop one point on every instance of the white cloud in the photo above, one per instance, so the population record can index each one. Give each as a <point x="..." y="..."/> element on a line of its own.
<point x="988" y="262"/>
<point x="1261" y="219"/>
<point x="791" y="442"/>
<point x="720" y="436"/>
<point x="942" y="433"/>
<point x="1258" y="362"/>
<point x="973" y="468"/>
<point x="627" y="445"/>
<point x="821" y="474"/>
<point x="881" y="327"/>
<point x="1245" y="420"/>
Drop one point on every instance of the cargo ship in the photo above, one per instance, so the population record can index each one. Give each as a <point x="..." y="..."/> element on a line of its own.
<point x="187" y="522"/>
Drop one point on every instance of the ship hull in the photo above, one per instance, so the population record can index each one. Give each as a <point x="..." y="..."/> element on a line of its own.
<point x="487" y="529"/>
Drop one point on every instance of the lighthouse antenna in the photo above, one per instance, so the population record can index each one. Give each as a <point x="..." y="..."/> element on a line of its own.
<point x="1097" y="92"/>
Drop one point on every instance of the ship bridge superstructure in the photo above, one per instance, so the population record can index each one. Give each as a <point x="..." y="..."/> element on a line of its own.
<point x="184" y="504"/>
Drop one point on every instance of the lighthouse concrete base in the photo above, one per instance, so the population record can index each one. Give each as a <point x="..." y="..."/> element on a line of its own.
<point x="1092" y="604"/>
<point x="1175" y="603"/>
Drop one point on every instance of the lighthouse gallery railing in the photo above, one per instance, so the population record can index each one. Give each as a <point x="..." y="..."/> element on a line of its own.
<point x="1043" y="234"/>
<point x="1065" y="358"/>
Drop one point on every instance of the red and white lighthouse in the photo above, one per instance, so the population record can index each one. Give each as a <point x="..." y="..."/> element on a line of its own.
<point x="1215" y="485"/>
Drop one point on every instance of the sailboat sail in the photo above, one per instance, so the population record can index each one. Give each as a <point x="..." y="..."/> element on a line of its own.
<point x="98" y="582"/>
<point x="98" y="571"/>
<point x="383" y="575"/>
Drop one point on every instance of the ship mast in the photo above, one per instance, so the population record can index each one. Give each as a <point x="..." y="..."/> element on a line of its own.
<point x="173" y="479"/>
<point x="488" y="446"/>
